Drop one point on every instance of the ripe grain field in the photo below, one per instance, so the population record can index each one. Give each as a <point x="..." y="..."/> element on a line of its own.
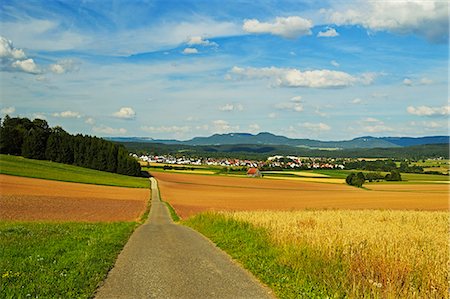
<point x="337" y="254"/>
<point x="191" y="194"/>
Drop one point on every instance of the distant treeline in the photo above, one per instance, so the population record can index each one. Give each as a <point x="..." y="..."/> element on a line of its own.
<point x="383" y="165"/>
<point x="36" y="140"/>
<point x="261" y="152"/>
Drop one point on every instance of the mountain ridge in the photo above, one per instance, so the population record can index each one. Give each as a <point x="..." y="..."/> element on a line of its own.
<point x="266" y="138"/>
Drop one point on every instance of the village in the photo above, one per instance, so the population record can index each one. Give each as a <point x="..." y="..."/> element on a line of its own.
<point x="273" y="162"/>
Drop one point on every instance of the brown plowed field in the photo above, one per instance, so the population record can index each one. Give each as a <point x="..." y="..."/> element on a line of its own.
<point x="26" y="199"/>
<point x="190" y="194"/>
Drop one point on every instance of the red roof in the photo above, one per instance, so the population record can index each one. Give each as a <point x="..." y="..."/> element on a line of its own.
<point x="252" y="170"/>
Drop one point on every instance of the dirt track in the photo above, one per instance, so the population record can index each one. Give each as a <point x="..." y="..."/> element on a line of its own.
<point x="27" y="199"/>
<point x="190" y="194"/>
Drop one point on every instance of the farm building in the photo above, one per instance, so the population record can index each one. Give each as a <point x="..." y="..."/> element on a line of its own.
<point x="254" y="172"/>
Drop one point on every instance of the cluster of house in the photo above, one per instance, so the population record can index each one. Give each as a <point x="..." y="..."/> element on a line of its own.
<point x="168" y="159"/>
<point x="304" y="163"/>
<point x="289" y="162"/>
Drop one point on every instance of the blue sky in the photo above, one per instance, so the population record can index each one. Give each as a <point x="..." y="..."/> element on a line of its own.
<point x="178" y="69"/>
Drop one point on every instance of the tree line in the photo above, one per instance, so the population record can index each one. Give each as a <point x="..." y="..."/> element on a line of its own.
<point x="358" y="179"/>
<point x="34" y="139"/>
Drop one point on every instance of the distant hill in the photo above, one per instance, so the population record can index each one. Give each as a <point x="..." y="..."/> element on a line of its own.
<point x="266" y="138"/>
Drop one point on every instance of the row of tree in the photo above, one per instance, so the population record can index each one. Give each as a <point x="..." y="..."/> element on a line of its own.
<point x="358" y="179"/>
<point x="36" y="140"/>
<point x="383" y="165"/>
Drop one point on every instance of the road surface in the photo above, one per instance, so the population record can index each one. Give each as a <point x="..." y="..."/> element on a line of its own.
<point x="166" y="260"/>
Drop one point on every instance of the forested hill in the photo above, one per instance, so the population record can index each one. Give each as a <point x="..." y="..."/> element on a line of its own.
<point x="36" y="140"/>
<point x="271" y="139"/>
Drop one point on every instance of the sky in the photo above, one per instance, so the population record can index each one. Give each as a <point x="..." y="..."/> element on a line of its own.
<point x="327" y="70"/>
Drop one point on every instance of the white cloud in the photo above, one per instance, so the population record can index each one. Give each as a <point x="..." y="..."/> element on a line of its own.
<point x="288" y="77"/>
<point x="294" y="104"/>
<point x="330" y="32"/>
<point x="27" y="66"/>
<point x="7" y="50"/>
<point x="254" y="128"/>
<point x="290" y="27"/>
<point x="190" y="51"/>
<point x="62" y="66"/>
<point x="108" y="130"/>
<point x="166" y="129"/>
<point x="334" y="63"/>
<point x="374" y="125"/>
<point x="198" y="40"/>
<point x="39" y="115"/>
<point x="272" y="115"/>
<point x="89" y="121"/>
<point x="356" y="101"/>
<point x="426" y="81"/>
<point x="426" y="18"/>
<point x="125" y="113"/>
<point x="377" y="129"/>
<point x="8" y="110"/>
<point x="67" y="114"/>
<point x="231" y="107"/>
<point x="407" y="82"/>
<point x="316" y="127"/>
<point x="222" y="126"/>
<point x="429" y="111"/>
<point x="371" y="120"/>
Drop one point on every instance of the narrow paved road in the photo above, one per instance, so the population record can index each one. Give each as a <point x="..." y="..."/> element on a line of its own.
<point x="166" y="260"/>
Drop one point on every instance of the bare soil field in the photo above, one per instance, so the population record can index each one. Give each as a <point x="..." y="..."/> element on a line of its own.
<point x="27" y="199"/>
<point x="190" y="194"/>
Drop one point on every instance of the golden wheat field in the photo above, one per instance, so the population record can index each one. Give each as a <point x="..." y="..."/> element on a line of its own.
<point x="385" y="254"/>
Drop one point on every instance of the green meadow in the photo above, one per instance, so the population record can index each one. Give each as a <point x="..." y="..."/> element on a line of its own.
<point x="19" y="166"/>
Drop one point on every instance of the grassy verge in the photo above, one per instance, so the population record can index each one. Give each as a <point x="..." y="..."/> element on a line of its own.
<point x="172" y="212"/>
<point x="58" y="260"/>
<point x="337" y="254"/>
<point x="19" y="166"/>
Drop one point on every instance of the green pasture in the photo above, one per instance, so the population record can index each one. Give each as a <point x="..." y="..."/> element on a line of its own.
<point x="19" y="166"/>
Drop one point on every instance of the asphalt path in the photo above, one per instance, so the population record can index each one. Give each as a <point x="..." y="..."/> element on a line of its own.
<point x="163" y="259"/>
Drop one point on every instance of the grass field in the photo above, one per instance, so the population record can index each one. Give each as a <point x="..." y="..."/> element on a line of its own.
<point x="20" y="166"/>
<point x="337" y="254"/>
<point x="58" y="260"/>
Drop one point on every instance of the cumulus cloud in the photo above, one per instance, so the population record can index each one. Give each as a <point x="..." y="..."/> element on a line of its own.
<point x="294" y="104"/>
<point x="7" y="50"/>
<point x="254" y="128"/>
<point x="27" y="66"/>
<point x="316" y="127"/>
<point x="334" y="63"/>
<point x="288" y="77"/>
<point x="426" y="81"/>
<point x="125" y="113"/>
<point x="166" y="129"/>
<point x="67" y="114"/>
<point x="8" y="110"/>
<point x="356" y="101"/>
<point x="407" y="82"/>
<point x="190" y="51"/>
<point x="290" y="27"/>
<point x="429" y="111"/>
<point x="374" y="125"/>
<point x="12" y="58"/>
<point x="222" y="126"/>
<point x="62" y="66"/>
<point x="231" y="107"/>
<point x="108" y="130"/>
<point x="89" y="121"/>
<point x="330" y="32"/>
<point x="198" y="40"/>
<point x="425" y="18"/>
